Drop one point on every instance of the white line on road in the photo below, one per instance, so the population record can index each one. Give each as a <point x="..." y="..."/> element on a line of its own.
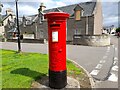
<point x="102" y="61"/>
<point x="99" y="66"/>
<point x="115" y="62"/>
<point x="113" y="78"/>
<point x="115" y="68"/>
<point x="108" y="48"/>
<point x="115" y="58"/>
<point x="115" y="49"/>
<point x="94" y="72"/>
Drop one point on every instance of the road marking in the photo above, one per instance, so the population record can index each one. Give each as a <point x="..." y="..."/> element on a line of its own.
<point x="108" y="48"/>
<point x="113" y="78"/>
<point x="94" y="72"/>
<point x="115" y="58"/>
<point x="99" y="66"/>
<point x="104" y="57"/>
<point x="115" y="49"/>
<point x="102" y="61"/>
<point x="115" y="62"/>
<point x="115" y="68"/>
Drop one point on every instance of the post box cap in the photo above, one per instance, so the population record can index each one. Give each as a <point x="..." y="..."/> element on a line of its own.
<point x="57" y="14"/>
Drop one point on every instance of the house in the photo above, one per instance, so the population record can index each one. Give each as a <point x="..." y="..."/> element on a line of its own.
<point x="85" y="19"/>
<point x="1" y="28"/>
<point x="109" y="30"/>
<point x="7" y="22"/>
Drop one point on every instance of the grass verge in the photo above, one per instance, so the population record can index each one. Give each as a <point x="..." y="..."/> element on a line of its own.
<point x="19" y="70"/>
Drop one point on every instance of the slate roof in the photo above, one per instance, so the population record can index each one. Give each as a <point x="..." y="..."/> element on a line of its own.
<point x="4" y="17"/>
<point x="88" y="8"/>
<point x="13" y="30"/>
<point x="30" y="19"/>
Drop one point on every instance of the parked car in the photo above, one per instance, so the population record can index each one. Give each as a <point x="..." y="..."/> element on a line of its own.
<point x="113" y="33"/>
<point x="118" y="34"/>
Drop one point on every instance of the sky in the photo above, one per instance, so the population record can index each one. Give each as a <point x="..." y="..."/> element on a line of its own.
<point x="30" y="7"/>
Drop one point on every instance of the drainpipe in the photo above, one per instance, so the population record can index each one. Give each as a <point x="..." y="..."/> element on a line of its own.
<point x="86" y="25"/>
<point x="36" y="29"/>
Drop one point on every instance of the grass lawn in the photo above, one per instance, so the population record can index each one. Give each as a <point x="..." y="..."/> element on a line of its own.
<point x="20" y="70"/>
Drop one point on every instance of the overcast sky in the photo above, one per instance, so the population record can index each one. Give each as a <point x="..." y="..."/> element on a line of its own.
<point x="30" y="7"/>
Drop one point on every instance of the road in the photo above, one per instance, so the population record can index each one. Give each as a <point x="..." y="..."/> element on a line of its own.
<point x="112" y="80"/>
<point x="100" y="62"/>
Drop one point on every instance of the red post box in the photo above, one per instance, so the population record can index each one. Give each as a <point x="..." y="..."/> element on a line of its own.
<point x="57" y="49"/>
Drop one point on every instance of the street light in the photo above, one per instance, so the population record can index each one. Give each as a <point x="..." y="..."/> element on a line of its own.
<point x="19" y="46"/>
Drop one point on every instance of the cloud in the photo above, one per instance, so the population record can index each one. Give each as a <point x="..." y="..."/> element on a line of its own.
<point x="110" y="0"/>
<point x="27" y="10"/>
<point x="68" y="1"/>
<point x="110" y="13"/>
<point x="60" y="4"/>
<point x="112" y="20"/>
<point x="23" y="8"/>
<point x="6" y="6"/>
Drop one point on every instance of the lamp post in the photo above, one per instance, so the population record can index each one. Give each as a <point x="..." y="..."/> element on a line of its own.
<point x="19" y="46"/>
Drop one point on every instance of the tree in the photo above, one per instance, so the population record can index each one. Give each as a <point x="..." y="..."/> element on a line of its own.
<point x="118" y="30"/>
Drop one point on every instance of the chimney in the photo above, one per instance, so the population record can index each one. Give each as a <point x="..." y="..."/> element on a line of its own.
<point x="9" y="11"/>
<point x="42" y="7"/>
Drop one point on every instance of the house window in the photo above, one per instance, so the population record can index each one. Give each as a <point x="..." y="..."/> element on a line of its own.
<point x="77" y="15"/>
<point x="41" y="34"/>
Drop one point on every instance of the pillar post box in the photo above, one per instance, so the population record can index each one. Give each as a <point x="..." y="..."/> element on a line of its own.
<point x="57" y="49"/>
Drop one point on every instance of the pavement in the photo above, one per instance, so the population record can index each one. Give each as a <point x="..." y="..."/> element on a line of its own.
<point x="100" y="62"/>
<point x="44" y="84"/>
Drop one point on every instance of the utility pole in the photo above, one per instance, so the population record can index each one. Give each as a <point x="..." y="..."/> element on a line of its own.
<point x="19" y="46"/>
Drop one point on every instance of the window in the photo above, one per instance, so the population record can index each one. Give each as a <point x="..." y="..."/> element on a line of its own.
<point x="77" y="15"/>
<point x="41" y="34"/>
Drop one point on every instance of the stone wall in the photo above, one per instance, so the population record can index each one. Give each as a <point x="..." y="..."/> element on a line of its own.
<point x="28" y="40"/>
<point x="94" y="40"/>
